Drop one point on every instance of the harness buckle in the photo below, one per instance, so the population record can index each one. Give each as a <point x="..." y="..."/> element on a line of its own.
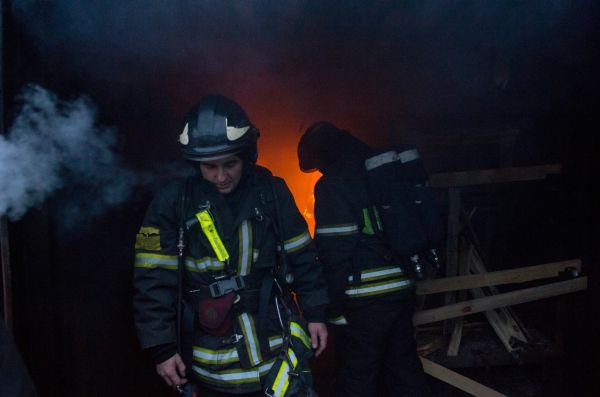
<point x="225" y="286"/>
<point x="234" y="338"/>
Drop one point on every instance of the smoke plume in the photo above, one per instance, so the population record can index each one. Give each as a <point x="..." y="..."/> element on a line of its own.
<point x="56" y="145"/>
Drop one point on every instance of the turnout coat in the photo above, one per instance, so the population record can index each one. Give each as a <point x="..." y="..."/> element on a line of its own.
<point x="246" y="220"/>
<point x="358" y="264"/>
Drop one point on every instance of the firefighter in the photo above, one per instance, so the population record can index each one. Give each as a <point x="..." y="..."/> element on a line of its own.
<point x="224" y="240"/>
<point x="372" y="299"/>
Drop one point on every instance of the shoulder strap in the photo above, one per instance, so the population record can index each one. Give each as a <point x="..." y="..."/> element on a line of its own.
<point x="183" y="201"/>
<point x="282" y="266"/>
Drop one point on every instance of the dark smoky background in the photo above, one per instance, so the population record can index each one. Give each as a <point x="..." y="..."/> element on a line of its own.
<point x="94" y="97"/>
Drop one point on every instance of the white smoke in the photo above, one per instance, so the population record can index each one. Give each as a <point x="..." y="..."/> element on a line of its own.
<point x="53" y="145"/>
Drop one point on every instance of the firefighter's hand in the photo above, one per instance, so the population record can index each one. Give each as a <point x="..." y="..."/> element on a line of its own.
<point x="172" y="371"/>
<point x="318" y="337"/>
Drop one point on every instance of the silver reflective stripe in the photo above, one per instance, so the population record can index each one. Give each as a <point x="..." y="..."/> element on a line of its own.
<point x="349" y="228"/>
<point x="275" y="342"/>
<point x="234" y="376"/>
<point x="408" y="155"/>
<point x="203" y="264"/>
<point x="207" y="356"/>
<point x="381" y="159"/>
<point x="152" y="261"/>
<point x="245" y="248"/>
<point x="250" y="338"/>
<point x="282" y="380"/>
<point x="296" y="243"/>
<point x="378" y="288"/>
<point x="297" y="331"/>
<point x="378" y="273"/>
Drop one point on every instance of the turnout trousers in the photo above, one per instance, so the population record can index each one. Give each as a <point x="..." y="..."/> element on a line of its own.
<point x="376" y="352"/>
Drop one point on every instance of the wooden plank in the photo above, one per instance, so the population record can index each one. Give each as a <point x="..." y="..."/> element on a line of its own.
<point x="510" y="276"/>
<point x="457" y="380"/>
<point x="454" y="345"/>
<point x="509" y="320"/>
<point x="506" y="299"/>
<point x="490" y="176"/>
<point x="463" y="269"/>
<point x="499" y="326"/>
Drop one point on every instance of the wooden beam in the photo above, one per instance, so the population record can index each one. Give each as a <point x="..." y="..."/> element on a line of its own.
<point x="508" y="318"/>
<point x="456" y="337"/>
<point x="501" y="328"/>
<point x="499" y="175"/>
<point x="506" y="299"/>
<point x="464" y="260"/>
<point x="457" y="380"/>
<point x="511" y="276"/>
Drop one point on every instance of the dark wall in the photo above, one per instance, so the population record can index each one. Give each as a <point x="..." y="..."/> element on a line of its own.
<point x="430" y="68"/>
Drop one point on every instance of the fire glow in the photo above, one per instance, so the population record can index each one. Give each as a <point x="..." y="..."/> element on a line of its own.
<point x="279" y="155"/>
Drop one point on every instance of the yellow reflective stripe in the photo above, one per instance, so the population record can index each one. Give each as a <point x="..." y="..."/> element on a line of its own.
<point x="297" y="331"/>
<point x="378" y="288"/>
<point x="282" y="380"/>
<point x="368" y="228"/>
<point x="337" y="230"/>
<point x="152" y="261"/>
<point x="233" y="376"/>
<point x="208" y="356"/>
<point x="275" y="342"/>
<point x="378" y="273"/>
<point x="203" y="264"/>
<point x="339" y="320"/>
<point x="250" y="338"/>
<point x="245" y="248"/>
<point x="210" y="231"/>
<point x="148" y="238"/>
<point x="298" y="242"/>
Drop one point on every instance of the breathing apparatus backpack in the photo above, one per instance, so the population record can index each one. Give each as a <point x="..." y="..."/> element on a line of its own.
<point x="399" y="187"/>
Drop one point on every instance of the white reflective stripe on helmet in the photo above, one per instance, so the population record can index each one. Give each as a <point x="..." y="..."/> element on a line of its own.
<point x="203" y="264"/>
<point x="250" y="338"/>
<point x="381" y="159"/>
<point x="151" y="261"/>
<point x="378" y="273"/>
<point x="408" y="155"/>
<point x="337" y="230"/>
<point x="378" y="288"/>
<point x="245" y="248"/>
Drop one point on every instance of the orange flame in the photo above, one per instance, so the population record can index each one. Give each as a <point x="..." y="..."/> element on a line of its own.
<point x="278" y="154"/>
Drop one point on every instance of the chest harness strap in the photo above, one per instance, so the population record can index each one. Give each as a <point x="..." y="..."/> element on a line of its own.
<point x="223" y="284"/>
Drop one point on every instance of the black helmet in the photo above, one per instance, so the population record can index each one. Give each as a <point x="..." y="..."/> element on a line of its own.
<point x="217" y="127"/>
<point x="324" y="144"/>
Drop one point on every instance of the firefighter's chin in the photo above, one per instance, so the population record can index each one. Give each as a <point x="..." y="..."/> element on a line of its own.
<point x="225" y="188"/>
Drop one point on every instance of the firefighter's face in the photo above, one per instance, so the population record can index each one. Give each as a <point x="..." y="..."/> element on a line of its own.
<point x="225" y="173"/>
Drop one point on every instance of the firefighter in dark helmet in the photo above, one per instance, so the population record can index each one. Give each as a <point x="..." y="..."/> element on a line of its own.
<point x="372" y="299"/>
<point x="216" y="257"/>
